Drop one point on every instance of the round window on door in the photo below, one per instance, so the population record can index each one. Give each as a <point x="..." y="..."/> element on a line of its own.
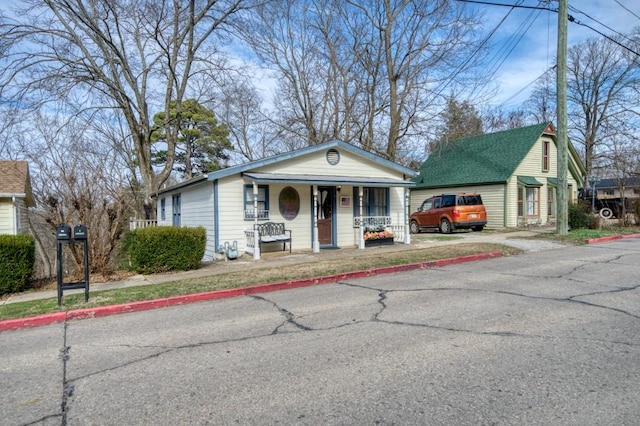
<point x="289" y="203"/>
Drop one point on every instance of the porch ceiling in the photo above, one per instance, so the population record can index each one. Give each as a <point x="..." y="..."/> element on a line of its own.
<point x="327" y="180"/>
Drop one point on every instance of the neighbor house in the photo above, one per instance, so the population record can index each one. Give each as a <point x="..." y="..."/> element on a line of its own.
<point x="321" y="193"/>
<point x="15" y="197"/>
<point x="515" y="171"/>
<point x="617" y="188"/>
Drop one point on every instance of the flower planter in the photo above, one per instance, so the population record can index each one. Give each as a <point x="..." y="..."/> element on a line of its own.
<point x="379" y="242"/>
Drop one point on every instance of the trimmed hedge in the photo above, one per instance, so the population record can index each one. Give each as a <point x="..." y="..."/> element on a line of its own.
<point x="165" y="248"/>
<point x="17" y="262"/>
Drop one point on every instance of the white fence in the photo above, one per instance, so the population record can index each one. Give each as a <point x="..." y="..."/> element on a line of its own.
<point x="136" y="223"/>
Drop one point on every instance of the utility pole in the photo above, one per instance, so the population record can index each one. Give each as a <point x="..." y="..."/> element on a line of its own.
<point x="562" y="224"/>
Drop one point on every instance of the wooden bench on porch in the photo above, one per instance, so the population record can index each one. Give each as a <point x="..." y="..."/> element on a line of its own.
<point x="271" y="232"/>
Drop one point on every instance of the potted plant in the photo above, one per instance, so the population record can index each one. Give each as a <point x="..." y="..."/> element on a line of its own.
<point x="377" y="236"/>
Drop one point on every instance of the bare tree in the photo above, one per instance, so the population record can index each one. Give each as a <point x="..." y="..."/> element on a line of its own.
<point x="128" y="55"/>
<point x="459" y="119"/>
<point x="250" y="127"/>
<point x="601" y="79"/>
<point x="497" y="119"/>
<point x="77" y="179"/>
<point x="368" y="72"/>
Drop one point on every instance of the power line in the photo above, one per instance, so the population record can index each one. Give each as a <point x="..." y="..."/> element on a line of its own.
<point x="569" y="17"/>
<point x="506" y="101"/>
<point x="606" y="26"/>
<point x="627" y="9"/>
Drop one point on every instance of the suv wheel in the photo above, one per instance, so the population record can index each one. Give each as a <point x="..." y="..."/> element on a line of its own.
<point x="414" y="228"/>
<point x="445" y="226"/>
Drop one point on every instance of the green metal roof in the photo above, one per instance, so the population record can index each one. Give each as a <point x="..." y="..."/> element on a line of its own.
<point x="483" y="159"/>
<point x="528" y="181"/>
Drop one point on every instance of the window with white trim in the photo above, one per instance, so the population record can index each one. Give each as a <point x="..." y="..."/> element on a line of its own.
<point x="176" y="210"/>
<point x="375" y="202"/>
<point x="528" y="201"/>
<point x="263" y="202"/>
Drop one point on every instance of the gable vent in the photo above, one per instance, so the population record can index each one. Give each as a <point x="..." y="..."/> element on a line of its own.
<point x="333" y="157"/>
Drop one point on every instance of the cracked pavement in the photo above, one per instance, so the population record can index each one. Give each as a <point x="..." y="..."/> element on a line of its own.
<point x="547" y="337"/>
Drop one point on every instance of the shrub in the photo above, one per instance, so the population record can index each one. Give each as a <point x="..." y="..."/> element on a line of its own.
<point x="165" y="248"/>
<point x="634" y="209"/>
<point x="581" y="217"/>
<point x="17" y="262"/>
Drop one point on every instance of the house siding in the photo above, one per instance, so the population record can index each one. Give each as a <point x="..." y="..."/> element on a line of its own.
<point x="492" y="198"/>
<point x="196" y="209"/>
<point x="532" y="166"/>
<point x="7" y="225"/>
<point x="317" y="164"/>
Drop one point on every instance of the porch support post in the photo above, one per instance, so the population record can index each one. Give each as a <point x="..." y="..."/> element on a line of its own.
<point x="316" y="242"/>
<point x="361" y="229"/>
<point x="407" y="231"/>
<point x="256" y="237"/>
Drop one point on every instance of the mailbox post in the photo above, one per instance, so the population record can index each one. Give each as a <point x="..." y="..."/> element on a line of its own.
<point x="79" y="237"/>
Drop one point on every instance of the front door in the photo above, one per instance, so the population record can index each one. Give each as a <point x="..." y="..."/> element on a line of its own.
<point x="325" y="207"/>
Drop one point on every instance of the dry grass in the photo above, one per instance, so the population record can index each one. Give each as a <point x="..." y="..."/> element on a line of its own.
<point x="253" y="274"/>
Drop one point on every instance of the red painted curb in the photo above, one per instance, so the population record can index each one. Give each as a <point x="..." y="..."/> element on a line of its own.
<point x="102" y="311"/>
<point x="611" y="238"/>
<point x="47" y="319"/>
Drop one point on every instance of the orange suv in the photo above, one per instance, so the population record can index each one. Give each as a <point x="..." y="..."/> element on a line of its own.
<point x="448" y="212"/>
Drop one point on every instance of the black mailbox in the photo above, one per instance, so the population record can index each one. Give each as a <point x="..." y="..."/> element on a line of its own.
<point x="80" y="232"/>
<point x="63" y="232"/>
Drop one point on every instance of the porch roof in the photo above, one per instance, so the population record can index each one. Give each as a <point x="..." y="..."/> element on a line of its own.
<point x="327" y="180"/>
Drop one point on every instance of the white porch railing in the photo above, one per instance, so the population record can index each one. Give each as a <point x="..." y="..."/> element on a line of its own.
<point x="249" y="241"/>
<point x="378" y="223"/>
<point x="136" y="223"/>
<point x="250" y="214"/>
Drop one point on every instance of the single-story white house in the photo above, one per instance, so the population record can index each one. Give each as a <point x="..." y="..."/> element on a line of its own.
<point x="15" y="197"/>
<point x="321" y="193"/>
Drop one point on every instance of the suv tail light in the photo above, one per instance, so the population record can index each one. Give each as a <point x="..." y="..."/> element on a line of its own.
<point x="455" y="213"/>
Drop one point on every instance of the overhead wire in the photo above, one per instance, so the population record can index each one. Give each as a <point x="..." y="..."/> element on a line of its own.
<point x="600" y="23"/>
<point x="627" y="9"/>
<point x="512" y="43"/>
<point x="473" y="54"/>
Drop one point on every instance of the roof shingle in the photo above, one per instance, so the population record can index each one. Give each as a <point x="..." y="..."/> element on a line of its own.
<point x="488" y="158"/>
<point x="14" y="179"/>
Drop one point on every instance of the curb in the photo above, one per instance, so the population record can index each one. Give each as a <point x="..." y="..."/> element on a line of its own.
<point x="611" y="238"/>
<point x="102" y="311"/>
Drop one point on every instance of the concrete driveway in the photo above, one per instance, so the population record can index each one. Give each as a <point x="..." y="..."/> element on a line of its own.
<point x="549" y="337"/>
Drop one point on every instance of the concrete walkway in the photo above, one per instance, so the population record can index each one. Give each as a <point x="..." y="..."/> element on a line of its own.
<point x="520" y="239"/>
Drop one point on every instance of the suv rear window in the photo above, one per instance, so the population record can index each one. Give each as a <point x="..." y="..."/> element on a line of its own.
<point x="448" y="200"/>
<point x="469" y="200"/>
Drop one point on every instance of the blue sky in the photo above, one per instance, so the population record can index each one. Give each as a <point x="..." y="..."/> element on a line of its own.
<point x="536" y="51"/>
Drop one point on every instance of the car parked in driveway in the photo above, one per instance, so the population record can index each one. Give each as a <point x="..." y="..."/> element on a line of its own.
<point x="448" y="212"/>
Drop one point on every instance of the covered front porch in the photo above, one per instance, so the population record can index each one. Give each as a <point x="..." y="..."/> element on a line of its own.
<point x="338" y="212"/>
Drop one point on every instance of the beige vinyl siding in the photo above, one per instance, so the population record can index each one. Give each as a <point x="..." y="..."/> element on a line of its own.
<point x="231" y="223"/>
<point x="316" y="163"/>
<point x="231" y="209"/>
<point x="196" y="209"/>
<point x="492" y="198"/>
<point x="344" y="217"/>
<point x="6" y="216"/>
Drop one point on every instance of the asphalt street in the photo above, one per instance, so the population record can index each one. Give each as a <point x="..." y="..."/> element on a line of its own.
<point x="550" y="337"/>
